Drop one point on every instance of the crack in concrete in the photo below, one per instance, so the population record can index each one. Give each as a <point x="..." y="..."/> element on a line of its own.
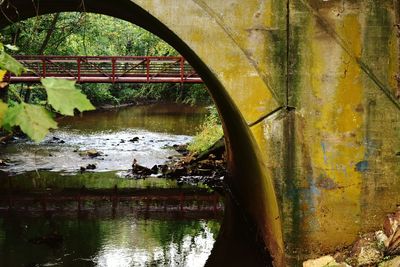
<point x="268" y="115"/>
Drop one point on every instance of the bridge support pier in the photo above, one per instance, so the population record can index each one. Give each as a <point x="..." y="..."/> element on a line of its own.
<point x="311" y="179"/>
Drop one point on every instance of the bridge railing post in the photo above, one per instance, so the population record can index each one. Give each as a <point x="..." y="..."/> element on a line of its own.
<point x="147" y="69"/>
<point x="44" y="67"/>
<point x="113" y="60"/>
<point x="182" y="64"/>
<point x="79" y="68"/>
<point x="93" y="69"/>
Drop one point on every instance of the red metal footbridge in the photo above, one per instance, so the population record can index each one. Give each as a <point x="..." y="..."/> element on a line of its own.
<point x="107" y="69"/>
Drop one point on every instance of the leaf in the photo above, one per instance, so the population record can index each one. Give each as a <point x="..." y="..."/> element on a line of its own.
<point x="3" y="109"/>
<point x="35" y="121"/>
<point x="2" y="74"/>
<point x="12" y="47"/>
<point x="7" y="62"/>
<point x="64" y="97"/>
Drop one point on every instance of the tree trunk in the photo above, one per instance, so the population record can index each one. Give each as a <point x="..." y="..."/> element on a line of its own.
<point x="42" y="48"/>
<point x="49" y="34"/>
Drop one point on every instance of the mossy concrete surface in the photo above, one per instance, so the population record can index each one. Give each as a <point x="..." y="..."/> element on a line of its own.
<point x="306" y="90"/>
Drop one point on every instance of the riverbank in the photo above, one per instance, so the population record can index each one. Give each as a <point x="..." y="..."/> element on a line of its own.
<point x="208" y="167"/>
<point x="155" y="136"/>
<point x="139" y="102"/>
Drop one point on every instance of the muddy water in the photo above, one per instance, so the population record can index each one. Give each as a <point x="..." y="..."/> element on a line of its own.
<point x="53" y="215"/>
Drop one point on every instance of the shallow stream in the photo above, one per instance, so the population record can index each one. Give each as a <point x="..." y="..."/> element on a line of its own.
<point x="52" y="214"/>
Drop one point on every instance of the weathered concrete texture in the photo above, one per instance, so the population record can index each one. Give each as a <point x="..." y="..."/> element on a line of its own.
<point x="225" y="42"/>
<point x="344" y="172"/>
<point x="332" y="159"/>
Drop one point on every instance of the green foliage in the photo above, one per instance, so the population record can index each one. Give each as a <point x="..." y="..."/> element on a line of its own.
<point x="210" y="132"/>
<point x="58" y="34"/>
<point x="64" y="97"/>
<point x="84" y="34"/>
<point x="196" y="94"/>
<point x="187" y="94"/>
<point x="3" y="109"/>
<point x="101" y="35"/>
<point x="34" y="120"/>
<point x="9" y="63"/>
<point x="125" y="95"/>
<point x="100" y="94"/>
<point x="214" y="227"/>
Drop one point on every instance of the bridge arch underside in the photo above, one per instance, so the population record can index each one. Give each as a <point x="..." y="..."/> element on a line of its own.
<point x="245" y="239"/>
<point x="307" y="96"/>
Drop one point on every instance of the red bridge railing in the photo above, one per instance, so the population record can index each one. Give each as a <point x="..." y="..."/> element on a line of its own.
<point x="107" y="69"/>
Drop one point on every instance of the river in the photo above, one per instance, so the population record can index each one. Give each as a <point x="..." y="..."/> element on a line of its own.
<point x="54" y="213"/>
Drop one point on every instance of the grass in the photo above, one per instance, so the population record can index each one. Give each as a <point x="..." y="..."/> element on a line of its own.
<point x="210" y="132"/>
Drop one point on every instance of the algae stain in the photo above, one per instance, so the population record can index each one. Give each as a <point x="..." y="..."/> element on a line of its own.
<point x="323" y="146"/>
<point x="337" y="86"/>
<point x="362" y="166"/>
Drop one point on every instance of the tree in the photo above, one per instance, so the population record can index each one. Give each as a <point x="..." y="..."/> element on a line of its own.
<point x="95" y="35"/>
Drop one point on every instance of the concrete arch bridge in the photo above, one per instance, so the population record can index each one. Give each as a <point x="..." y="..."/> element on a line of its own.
<point x="307" y="93"/>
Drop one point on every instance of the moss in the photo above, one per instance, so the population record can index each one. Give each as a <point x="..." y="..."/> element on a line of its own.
<point x="378" y="30"/>
<point x="299" y="21"/>
<point x="277" y="49"/>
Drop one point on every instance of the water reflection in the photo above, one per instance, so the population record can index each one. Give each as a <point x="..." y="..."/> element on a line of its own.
<point x="160" y="118"/>
<point x="164" y="244"/>
<point x="80" y="221"/>
<point x="125" y="241"/>
<point x="62" y="218"/>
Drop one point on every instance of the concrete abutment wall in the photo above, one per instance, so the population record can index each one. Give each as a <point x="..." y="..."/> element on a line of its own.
<point x="307" y="92"/>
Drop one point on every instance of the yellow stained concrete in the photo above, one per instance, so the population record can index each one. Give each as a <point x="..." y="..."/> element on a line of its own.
<point x="325" y="136"/>
<point x="224" y="42"/>
<point x="340" y="126"/>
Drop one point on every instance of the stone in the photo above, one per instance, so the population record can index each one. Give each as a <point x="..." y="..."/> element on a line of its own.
<point x="182" y="149"/>
<point x="91" y="166"/>
<point x="369" y="255"/>
<point x="324" y="261"/>
<point x="395" y="262"/>
<point x="93" y="153"/>
<point x="367" y="251"/>
<point x="391" y="228"/>
<point x="154" y="169"/>
<point x="134" y="139"/>
<point x="140" y="170"/>
<point x="381" y="237"/>
<point x="57" y="140"/>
